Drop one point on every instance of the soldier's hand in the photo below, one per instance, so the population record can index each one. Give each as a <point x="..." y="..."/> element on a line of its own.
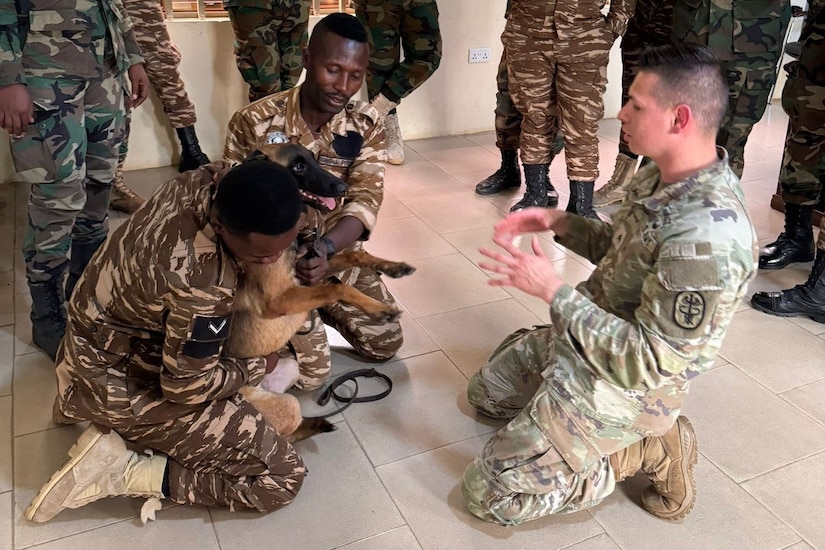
<point x="140" y="85"/>
<point x="530" y="273"/>
<point x="16" y="109"/>
<point x="528" y="220"/>
<point x="311" y="268"/>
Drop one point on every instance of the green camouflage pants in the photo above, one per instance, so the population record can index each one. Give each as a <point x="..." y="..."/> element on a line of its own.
<point x="394" y="26"/>
<point x="560" y="89"/>
<point x="162" y="61"/>
<point x="520" y="475"/>
<point x="69" y="156"/>
<point x="269" y="43"/>
<point x="801" y="174"/>
<point x="750" y="82"/>
<point x="372" y="339"/>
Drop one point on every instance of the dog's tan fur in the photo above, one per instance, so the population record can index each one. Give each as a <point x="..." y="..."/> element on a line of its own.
<point x="270" y="306"/>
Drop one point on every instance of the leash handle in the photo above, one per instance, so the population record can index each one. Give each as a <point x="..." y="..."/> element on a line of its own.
<point x="330" y="393"/>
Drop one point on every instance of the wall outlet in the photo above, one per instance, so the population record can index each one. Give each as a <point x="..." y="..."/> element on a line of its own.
<point x="479" y="55"/>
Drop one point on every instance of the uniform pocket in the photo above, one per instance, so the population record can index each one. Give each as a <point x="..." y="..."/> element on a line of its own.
<point x="58" y="21"/>
<point x="759" y="26"/>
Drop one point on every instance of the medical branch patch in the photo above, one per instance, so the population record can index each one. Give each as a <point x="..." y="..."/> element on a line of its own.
<point x="689" y="309"/>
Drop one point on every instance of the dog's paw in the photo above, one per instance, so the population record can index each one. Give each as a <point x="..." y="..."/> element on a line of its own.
<point x="392" y="315"/>
<point x="396" y="270"/>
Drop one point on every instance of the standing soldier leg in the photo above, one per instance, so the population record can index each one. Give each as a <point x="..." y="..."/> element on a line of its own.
<point x="292" y="39"/>
<point x="123" y="198"/>
<point x="256" y="48"/>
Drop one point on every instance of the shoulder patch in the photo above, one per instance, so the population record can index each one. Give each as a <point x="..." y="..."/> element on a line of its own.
<point x="210" y="329"/>
<point x="348" y="146"/>
<point x="276" y="137"/>
<point x="689" y="309"/>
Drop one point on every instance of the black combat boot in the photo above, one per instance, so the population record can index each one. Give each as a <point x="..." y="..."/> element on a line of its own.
<point x="81" y="254"/>
<point x="535" y="178"/>
<point x="48" y="314"/>
<point x="805" y="299"/>
<point x="191" y="155"/>
<point x="581" y="199"/>
<point x="795" y="244"/>
<point x="506" y="177"/>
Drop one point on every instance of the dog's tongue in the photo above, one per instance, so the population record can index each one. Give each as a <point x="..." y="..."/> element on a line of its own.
<point x="329" y="202"/>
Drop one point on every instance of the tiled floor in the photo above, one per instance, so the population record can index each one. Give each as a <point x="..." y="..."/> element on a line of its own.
<point x="388" y="477"/>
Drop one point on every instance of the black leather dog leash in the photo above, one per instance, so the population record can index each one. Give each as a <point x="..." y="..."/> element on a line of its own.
<point x="330" y="393"/>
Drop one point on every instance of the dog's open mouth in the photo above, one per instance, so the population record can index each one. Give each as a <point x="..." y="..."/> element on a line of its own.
<point x="322" y="203"/>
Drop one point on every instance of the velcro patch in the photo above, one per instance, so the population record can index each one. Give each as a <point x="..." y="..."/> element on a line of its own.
<point x="210" y="329"/>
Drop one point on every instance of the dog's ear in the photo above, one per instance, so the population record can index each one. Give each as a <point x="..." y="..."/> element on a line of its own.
<point x="256" y="155"/>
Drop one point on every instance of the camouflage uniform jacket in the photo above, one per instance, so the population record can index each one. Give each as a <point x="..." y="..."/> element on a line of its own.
<point x="733" y="28"/>
<point x="562" y="21"/>
<point x="56" y="39"/>
<point x="811" y="64"/>
<point x="151" y="313"/>
<point x="350" y="146"/>
<point x="672" y="269"/>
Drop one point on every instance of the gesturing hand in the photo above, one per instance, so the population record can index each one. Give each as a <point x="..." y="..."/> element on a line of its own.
<point x="140" y="86"/>
<point x="530" y="273"/>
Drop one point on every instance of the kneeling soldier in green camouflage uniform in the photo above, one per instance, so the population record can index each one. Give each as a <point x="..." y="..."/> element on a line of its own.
<point x="63" y="67"/>
<point x="595" y="397"/>
<point x="143" y="354"/>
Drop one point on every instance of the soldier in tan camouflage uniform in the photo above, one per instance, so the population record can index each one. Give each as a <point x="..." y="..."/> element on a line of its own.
<point x="557" y="53"/>
<point x="596" y="396"/>
<point x="394" y="26"/>
<point x="162" y="60"/>
<point x="63" y="71"/>
<point x="269" y="38"/>
<point x="347" y="139"/>
<point x="143" y="354"/>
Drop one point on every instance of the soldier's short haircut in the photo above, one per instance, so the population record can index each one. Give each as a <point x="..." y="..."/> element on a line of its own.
<point x="258" y="196"/>
<point x="344" y="25"/>
<point x="691" y="75"/>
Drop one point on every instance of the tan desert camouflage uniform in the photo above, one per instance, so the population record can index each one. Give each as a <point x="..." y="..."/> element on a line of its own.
<point x="747" y="35"/>
<point x="617" y="361"/>
<point x="351" y="146"/>
<point x="143" y="355"/>
<point x="557" y="53"/>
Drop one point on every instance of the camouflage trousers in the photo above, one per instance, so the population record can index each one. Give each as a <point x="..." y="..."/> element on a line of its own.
<point x="269" y="43"/>
<point x="750" y="82"/>
<point x="372" y="339"/>
<point x="802" y="165"/>
<point x="520" y="475"/>
<point x="69" y="156"/>
<point x="162" y="61"/>
<point x="559" y="90"/>
<point x="394" y="26"/>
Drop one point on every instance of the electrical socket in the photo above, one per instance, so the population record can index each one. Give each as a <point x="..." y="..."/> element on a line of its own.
<point x="479" y="55"/>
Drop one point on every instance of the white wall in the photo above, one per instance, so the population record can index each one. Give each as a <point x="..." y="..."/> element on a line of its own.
<point x="458" y="99"/>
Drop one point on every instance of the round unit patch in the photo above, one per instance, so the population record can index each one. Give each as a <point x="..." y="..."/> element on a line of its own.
<point x="276" y="137"/>
<point x="689" y="309"/>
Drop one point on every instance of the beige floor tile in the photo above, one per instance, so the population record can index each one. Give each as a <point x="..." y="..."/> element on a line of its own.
<point x="794" y="493"/>
<point x="482" y="329"/>
<point x="724" y="517"/>
<point x="443" y="284"/>
<point x="455" y="211"/>
<point x="809" y="324"/>
<point x="599" y="542"/>
<point x="6" y="533"/>
<point x="34" y="382"/>
<point x="407" y="239"/>
<point x="7" y="298"/>
<point x="341" y="501"/>
<point x="773" y="280"/>
<point x="470" y="240"/>
<point x="426" y="409"/>
<point x="36" y="457"/>
<point x="427" y="490"/>
<point x="430" y="145"/>
<point x="485" y="139"/>
<point x="176" y="527"/>
<point x="397" y="539"/>
<point x="799" y="546"/>
<point x="392" y="209"/>
<point x="810" y="398"/>
<point x="6" y="359"/>
<point x="6" y="440"/>
<point x="746" y="430"/>
<point x="459" y="161"/>
<point x="776" y="352"/>
<point x="421" y="181"/>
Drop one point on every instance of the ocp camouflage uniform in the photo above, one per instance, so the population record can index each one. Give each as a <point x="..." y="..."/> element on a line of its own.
<point x="747" y="36"/>
<point x="803" y="98"/>
<point x="270" y="36"/>
<point x="650" y="26"/>
<point x="557" y="55"/>
<point x="394" y="26"/>
<point x="616" y="363"/>
<point x="143" y="355"/>
<point x="73" y="56"/>
<point x="351" y="146"/>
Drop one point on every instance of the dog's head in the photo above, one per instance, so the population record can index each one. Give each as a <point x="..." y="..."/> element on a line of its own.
<point x="318" y="187"/>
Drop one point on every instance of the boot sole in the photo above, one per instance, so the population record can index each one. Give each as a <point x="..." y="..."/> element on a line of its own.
<point x="80" y="449"/>
<point x="687" y="473"/>
<point x="395" y="162"/>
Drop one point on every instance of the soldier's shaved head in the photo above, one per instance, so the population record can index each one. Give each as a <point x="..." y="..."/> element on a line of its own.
<point x="691" y="75"/>
<point x="344" y="25"/>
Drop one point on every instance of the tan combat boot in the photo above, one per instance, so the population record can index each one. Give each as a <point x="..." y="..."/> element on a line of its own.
<point x="668" y="461"/>
<point x="614" y="190"/>
<point x="395" y="143"/>
<point x="123" y="198"/>
<point x="99" y="466"/>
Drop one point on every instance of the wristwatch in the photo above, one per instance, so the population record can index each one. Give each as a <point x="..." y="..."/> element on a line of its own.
<point x="330" y="246"/>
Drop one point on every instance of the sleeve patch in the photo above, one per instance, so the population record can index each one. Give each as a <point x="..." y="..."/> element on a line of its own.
<point x="210" y="329"/>
<point x="689" y="309"/>
<point x="199" y="350"/>
<point x="706" y="273"/>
